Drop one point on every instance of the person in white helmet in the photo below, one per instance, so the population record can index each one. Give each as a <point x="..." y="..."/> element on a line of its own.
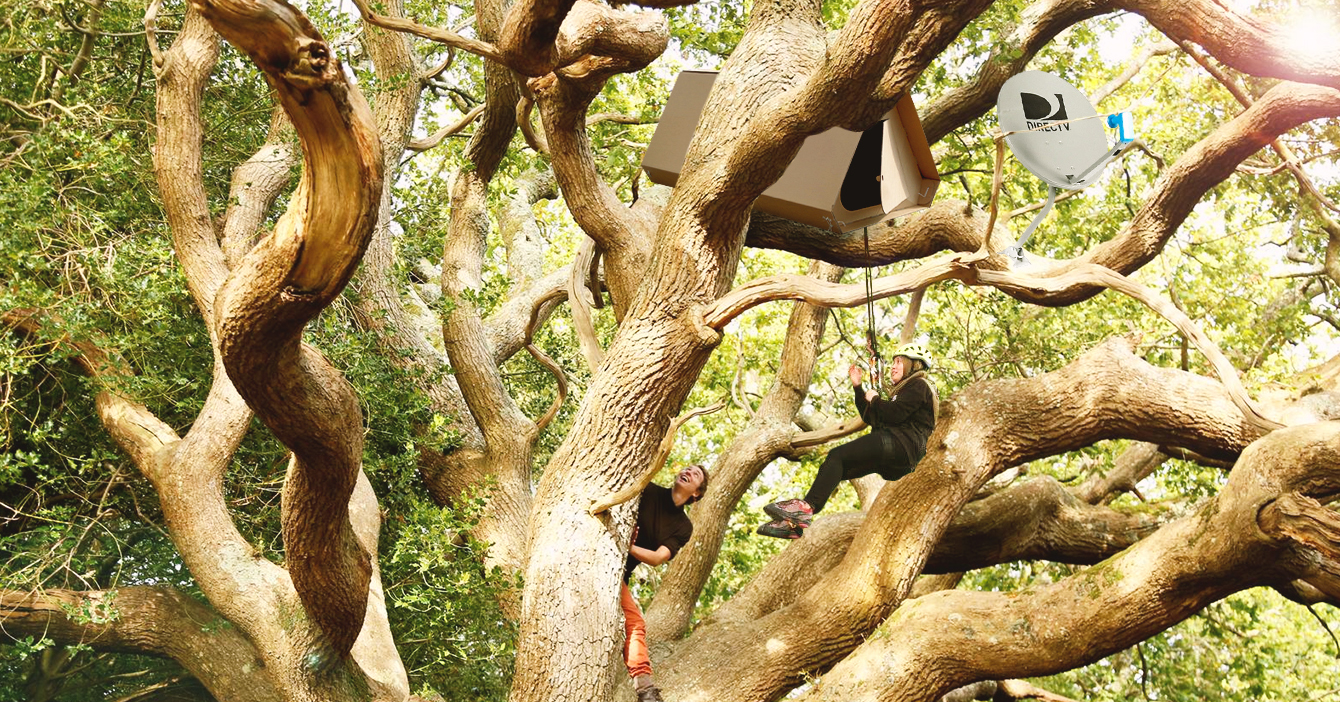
<point x="900" y="424"/>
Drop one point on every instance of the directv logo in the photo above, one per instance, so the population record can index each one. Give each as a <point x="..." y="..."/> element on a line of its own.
<point x="1039" y="112"/>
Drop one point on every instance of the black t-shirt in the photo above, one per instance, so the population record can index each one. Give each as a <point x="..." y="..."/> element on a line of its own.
<point x="660" y="522"/>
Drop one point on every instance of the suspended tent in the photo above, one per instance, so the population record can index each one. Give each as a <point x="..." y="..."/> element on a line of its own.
<point x="839" y="181"/>
<point x="1054" y="131"/>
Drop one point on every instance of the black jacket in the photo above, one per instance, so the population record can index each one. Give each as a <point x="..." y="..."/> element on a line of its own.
<point x="908" y="416"/>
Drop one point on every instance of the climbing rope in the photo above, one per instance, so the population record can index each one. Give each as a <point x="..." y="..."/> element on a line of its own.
<point x="871" y="342"/>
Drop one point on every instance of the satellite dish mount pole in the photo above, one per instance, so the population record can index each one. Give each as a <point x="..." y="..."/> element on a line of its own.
<point x="1016" y="252"/>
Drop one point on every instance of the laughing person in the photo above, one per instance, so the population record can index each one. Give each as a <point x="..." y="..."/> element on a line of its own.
<point x="662" y="529"/>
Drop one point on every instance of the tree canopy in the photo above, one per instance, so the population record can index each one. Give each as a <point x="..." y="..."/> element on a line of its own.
<point x="338" y="339"/>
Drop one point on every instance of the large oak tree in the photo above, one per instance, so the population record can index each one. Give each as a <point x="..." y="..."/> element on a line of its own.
<point x="864" y="607"/>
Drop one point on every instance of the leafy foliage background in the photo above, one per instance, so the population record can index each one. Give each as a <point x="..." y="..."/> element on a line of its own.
<point x="84" y="239"/>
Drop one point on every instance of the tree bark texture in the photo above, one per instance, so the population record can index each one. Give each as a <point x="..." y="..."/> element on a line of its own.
<point x="283" y="283"/>
<point x="984" y="429"/>
<point x="146" y="620"/>
<point x="317" y="630"/>
<point x="953" y="638"/>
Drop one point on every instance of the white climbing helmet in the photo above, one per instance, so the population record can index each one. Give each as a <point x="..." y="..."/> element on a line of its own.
<point x="915" y="352"/>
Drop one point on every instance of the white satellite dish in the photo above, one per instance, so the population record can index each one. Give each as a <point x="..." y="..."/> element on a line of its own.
<point x="1044" y="120"/>
<point x="1054" y="131"/>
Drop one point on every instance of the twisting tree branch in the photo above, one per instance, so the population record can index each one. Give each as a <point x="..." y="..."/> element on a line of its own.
<point x="562" y="379"/>
<point x="824" y="294"/>
<point x="151" y="30"/>
<point x="1038" y="25"/>
<point x="578" y="291"/>
<point x="534" y="139"/>
<point x="1159" y="581"/>
<point x="255" y="185"/>
<point x="1290" y="160"/>
<point x="437" y="137"/>
<point x="1304" y="520"/>
<point x="286" y="281"/>
<point x="442" y="36"/>
<point x="662" y="455"/>
<point x="543" y="359"/>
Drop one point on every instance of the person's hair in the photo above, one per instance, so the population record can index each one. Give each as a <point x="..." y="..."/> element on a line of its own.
<point x="702" y="489"/>
<point x="914" y="365"/>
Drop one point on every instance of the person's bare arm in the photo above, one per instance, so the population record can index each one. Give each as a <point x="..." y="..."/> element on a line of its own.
<point x="648" y="556"/>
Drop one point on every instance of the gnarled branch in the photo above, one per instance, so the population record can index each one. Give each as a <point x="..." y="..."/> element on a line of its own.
<point x="255" y="185"/>
<point x="1248" y="44"/>
<point x="1105" y="393"/>
<point x="145" y="620"/>
<point x="825" y="294"/>
<point x="286" y="281"/>
<point x="581" y="306"/>
<point x="1301" y="519"/>
<point x="1161" y="580"/>
<point x="441" y="36"/>
<point x="432" y="140"/>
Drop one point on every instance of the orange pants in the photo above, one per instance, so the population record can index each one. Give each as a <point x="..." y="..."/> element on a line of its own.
<point x="635" y="654"/>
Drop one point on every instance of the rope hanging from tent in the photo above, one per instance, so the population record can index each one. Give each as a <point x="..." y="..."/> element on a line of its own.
<point x="871" y="342"/>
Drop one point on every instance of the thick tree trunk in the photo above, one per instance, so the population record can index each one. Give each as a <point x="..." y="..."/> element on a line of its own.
<point x="756" y="119"/>
<point x="316" y="627"/>
<point x="287" y="280"/>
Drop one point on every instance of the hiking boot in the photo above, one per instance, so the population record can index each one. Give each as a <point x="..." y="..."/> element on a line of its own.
<point x="782" y="529"/>
<point x="797" y="511"/>
<point x="650" y="693"/>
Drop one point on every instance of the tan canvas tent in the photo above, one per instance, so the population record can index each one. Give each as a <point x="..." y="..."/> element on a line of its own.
<point x="840" y="180"/>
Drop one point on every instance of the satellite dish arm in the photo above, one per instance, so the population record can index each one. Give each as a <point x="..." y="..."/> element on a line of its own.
<point x="1016" y="252"/>
<point x="1112" y="153"/>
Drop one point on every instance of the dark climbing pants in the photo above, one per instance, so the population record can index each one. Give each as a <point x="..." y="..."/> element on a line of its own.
<point x="875" y="452"/>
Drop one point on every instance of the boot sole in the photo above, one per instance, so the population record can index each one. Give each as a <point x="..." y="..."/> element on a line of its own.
<point x="796" y="531"/>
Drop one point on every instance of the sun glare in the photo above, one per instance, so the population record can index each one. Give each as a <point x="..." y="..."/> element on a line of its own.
<point x="1313" y="32"/>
